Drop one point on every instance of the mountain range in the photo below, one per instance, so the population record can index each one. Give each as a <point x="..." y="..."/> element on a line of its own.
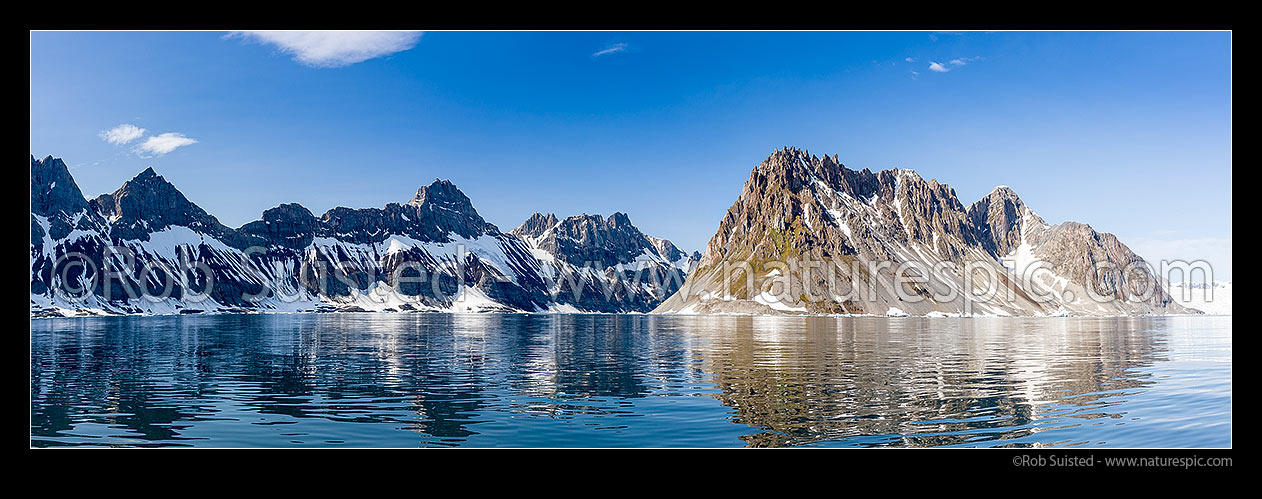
<point x="807" y="235"/>
<point x="147" y="249"/>
<point x="897" y="244"/>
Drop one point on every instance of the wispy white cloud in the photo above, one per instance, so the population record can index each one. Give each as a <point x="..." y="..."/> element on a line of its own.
<point x="334" y="49"/>
<point x="910" y="59"/>
<point x="952" y="64"/>
<point x="612" y="49"/>
<point x="122" y="134"/>
<point x="154" y="145"/>
<point x="158" y="145"/>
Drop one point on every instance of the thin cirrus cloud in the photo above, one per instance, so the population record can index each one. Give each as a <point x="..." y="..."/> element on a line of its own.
<point x="154" y="145"/>
<point x="122" y="134"/>
<point x="612" y="49"/>
<point x="333" y="49"/>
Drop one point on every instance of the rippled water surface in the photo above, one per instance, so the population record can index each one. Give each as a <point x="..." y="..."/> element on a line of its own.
<point x="407" y="380"/>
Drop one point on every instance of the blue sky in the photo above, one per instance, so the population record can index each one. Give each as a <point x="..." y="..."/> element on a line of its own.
<point x="1129" y="132"/>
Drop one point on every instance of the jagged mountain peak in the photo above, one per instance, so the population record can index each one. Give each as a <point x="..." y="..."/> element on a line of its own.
<point x="795" y="168"/>
<point x="620" y="219"/>
<point x="56" y="197"/>
<point x="444" y="206"/>
<point x="536" y="225"/>
<point x="148" y="184"/>
<point x="53" y="189"/>
<point x="48" y="160"/>
<point x="584" y="238"/>
<point x="1003" y="191"/>
<point x="148" y="202"/>
<point x="1003" y="220"/>
<point x="439" y="191"/>
<point x="151" y="186"/>
<point x="1002" y="195"/>
<point x="800" y="207"/>
<point x="613" y="248"/>
<point x="617" y="221"/>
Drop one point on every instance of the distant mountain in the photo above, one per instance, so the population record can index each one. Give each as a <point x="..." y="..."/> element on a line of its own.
<point x="148" y="203"/>
<point x="797" y="210"/>
<point x="604" y="252"/>
<point x="1211" y="298"/>
<point x="433" y="253"/>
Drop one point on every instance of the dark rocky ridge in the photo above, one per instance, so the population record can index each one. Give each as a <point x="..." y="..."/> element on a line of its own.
<point x="53" y="190"/>
<point x="289" y="225"/>
<point x="436" y="211"/>
<point x="56" y="197"/>
<point x="149" y="203"/>
<point x="345" y="245"/>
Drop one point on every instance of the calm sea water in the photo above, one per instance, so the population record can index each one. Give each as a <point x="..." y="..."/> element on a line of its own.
<point x="407" y="380"/>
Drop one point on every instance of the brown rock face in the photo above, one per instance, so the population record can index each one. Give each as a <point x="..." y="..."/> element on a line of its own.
<point x="797" y="208"/>
<point x="997" y="218"/>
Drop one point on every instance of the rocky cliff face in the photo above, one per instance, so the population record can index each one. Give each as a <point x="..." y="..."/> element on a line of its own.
<point x="289" y="225"/>
<point x="145" y="248"/>
<point x="808" y="235"/>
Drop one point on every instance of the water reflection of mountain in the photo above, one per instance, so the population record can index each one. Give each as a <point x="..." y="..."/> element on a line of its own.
<point x="868" y="382"/>
<point x="433" y="374"/>
<point x="436" y="379"/>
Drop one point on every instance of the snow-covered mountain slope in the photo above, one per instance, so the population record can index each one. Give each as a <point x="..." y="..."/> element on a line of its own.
<point x="605" y="264"/>
<point x="808" y="235"/>
<point x="145" y="248"/>
<point x="1213" y="299"/>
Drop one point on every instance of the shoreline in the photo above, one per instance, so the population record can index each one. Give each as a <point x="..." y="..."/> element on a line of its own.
<point x="436" y="312"/>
